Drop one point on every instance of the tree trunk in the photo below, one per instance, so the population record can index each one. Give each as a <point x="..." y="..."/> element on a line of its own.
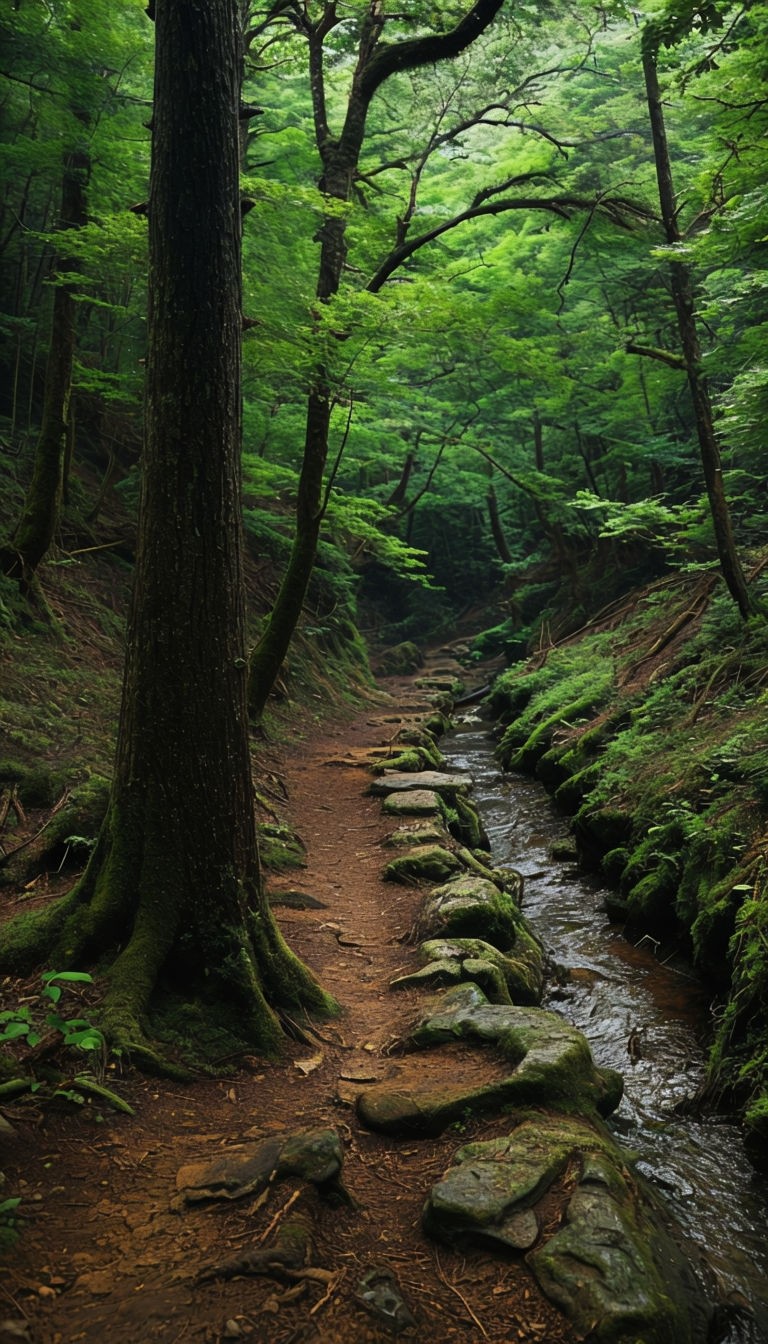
<point x="174" y="882"/>
<point x="683" y="296"/>
<point x="500" y="541"/>
<point x="36" y="527"/>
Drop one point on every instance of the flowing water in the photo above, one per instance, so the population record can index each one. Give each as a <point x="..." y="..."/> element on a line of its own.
<point x="642" y="1016"/>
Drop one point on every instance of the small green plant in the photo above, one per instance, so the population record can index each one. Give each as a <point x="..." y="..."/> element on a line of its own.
<point x="28" y="1022"/>
<point x="43" y="1024"/>
<point x="9" y="1230"/>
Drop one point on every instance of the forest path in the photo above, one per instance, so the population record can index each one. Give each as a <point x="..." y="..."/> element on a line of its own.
<point x="105" y="1254"/>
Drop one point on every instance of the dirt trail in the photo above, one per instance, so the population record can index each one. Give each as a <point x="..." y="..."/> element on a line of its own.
<point x="103" y="1252"/>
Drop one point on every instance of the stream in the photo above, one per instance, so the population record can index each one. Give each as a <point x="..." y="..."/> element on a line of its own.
<point x="645" y="1017"/>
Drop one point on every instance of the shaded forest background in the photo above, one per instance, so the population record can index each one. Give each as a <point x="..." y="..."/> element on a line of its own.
<point x="512" y="439"/>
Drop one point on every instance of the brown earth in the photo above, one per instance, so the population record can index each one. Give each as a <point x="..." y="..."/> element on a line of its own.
<point x="104" y="1252"/>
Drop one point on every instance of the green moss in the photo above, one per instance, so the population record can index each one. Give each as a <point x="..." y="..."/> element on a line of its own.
<point x="280" y="848"/>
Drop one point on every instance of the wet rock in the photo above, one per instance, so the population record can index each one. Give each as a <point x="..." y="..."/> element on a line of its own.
<point x="419" y="803"/>
<point x="613" y="1269"/>
<point x="436" y="780"/>
<point x="312" y="1155"/>
<point x="473" y="907"/>
<point x="426" y="863"/>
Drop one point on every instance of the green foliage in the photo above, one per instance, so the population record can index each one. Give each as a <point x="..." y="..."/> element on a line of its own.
<point x="28" y="1023"/>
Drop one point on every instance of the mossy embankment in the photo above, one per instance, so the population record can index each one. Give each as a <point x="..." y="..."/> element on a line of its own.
<point x="650" y="729"/>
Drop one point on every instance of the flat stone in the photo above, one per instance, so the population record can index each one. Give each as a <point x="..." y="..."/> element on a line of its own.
<point x="419" y="803"/>
<point x="409" y="836"/>
<point x="406" y="781"/>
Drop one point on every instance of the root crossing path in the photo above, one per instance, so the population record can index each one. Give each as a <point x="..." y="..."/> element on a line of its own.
<point x="324" y="1246"/>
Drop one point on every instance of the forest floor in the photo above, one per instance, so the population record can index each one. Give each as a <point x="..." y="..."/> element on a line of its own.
<point x="104" y="1250"/>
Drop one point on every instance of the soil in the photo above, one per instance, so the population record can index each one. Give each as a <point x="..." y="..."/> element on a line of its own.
<point x="104" y="1251"/>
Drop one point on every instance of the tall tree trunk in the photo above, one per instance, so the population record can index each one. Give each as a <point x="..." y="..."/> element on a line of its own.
<point x="683" y="296"/>
<point x="497" y="531"/>
<point x="174" y="883"/>
<point x="37" y="523"/>
<point x="340" y="157"/>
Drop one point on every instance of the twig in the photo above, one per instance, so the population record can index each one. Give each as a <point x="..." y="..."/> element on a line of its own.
<point x="278" y="1216"/>
<point x="460" y="1296"/>
<point x="330" y="1290"/>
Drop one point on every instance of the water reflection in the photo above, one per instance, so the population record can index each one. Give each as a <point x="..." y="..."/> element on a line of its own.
<point x="642" y="1017"/>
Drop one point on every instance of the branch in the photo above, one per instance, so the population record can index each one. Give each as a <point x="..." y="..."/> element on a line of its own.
<point x="652" y="352"/>
<point x="393" y="58"/>
<point x="616" y="208"/>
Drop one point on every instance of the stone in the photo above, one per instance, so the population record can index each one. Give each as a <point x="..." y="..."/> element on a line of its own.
<point x="613" y="1269"/>
<point x="521" y="969"/>
<point x="436" y="780"/>
<point x="406" y="836"/>
<point x="474" y="907"/>
<point x="553" y="1062"/>
<point x="425" y="863"/>
<point x="418" y="803"/>
<point x="313" y="1155"/>
<point x="551" y="1066"/>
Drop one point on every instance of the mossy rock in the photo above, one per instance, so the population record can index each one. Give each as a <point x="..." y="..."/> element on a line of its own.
<point x="471" y="907"/>
<point x="482" y="1196"/>
<point x="553" y="1063"/>
<point x="427" y="863"/>
<point x="400" y="660"/>
<point x="513" y="977"/>
<point x="465" y="824"/>
<point x="550" y="1066"/>
<point x="613" y="1268"/>
<point x="280" y="848"/>
<point x="410" y="761"/>
<point x="438" y="724"/>
<point x="564" y="851"/>
<point x="437" y="781"/>
<point x="425" y="742"/>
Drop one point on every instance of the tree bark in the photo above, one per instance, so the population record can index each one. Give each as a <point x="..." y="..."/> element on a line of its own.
<point x="497" y="531"/>
<point x="681" y="282"/>
<point x="340" y="157"/>
<point x="174" y="882"/>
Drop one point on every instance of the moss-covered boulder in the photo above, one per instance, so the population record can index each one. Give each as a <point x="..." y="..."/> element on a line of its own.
<point x="550" y="1066"/>
<point x="512" y="977"/>
<point x="465" y="825"/>
<point x="613" y="1268"/>
<point x="482" y="1196"/>
<point x="425" y="863"/>
<point x="399" y="660"/>
<point x="407" y="837"/>
<point x="553" y="1062"/>
<point x="471" y="907"/>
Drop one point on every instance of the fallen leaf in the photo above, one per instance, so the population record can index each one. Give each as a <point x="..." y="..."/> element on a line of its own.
<point x="306" y="1066"/>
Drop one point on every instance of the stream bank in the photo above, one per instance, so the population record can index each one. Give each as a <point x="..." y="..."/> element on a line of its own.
<point x="645" y="1015"/>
